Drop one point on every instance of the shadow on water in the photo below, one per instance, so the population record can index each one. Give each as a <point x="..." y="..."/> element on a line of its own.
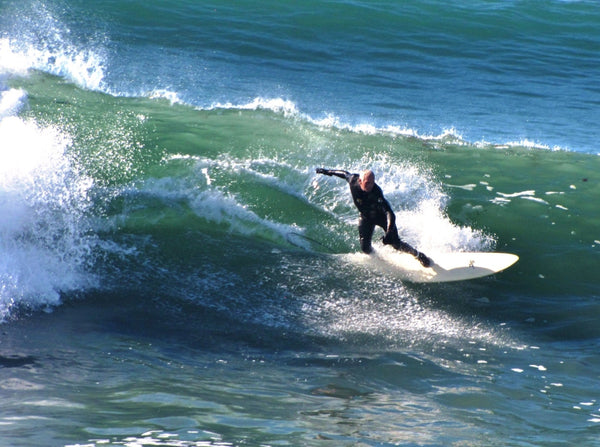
<point x="17" y="361"/>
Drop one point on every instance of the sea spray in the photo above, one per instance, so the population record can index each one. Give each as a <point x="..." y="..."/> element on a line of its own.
<point x="44" y="233"/>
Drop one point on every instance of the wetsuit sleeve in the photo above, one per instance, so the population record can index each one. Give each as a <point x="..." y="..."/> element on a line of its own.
<point x="391" y="217"/>
<point x="337" y="172"/>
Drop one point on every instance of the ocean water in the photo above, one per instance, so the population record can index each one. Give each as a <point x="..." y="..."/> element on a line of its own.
<point x="174" y="273"/>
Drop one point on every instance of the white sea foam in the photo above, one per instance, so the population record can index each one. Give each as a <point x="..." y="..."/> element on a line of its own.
<point x="44" y="238"/>
<point x="290" y="109"/>
<point x="277" y="105"/>
<point x="11" y="102"/>
<point x="169" y="95"/>
<point x="83" y="67"/>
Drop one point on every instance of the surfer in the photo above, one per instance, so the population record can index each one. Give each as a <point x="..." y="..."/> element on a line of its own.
<point x="374" y="210"/>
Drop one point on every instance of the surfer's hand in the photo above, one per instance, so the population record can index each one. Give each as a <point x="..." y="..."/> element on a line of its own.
<point x="323" y="171"/>
<point x="424" y="260"/>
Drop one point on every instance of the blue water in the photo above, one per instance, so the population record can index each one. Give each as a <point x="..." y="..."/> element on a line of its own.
<point x="173" y="272"/>
<point x="500" y="72"/>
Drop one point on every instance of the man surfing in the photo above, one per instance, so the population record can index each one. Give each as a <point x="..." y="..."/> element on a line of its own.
<point x="374" y="210"/>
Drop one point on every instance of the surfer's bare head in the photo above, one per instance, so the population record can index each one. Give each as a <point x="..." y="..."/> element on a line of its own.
<point x="366" y="180"/>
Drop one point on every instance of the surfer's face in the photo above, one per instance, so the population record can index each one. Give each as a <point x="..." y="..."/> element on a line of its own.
<point x="367" y="181"/>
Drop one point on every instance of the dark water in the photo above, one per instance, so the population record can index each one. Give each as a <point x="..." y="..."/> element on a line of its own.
<point x="171" y="270"/>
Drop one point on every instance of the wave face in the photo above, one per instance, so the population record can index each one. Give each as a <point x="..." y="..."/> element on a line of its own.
<point x="160" y="204"/>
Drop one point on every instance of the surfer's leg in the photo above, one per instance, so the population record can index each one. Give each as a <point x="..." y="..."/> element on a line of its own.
<point x="365" y="232"/>
<point x="400" y="245"/>
<point x="421" y="257"/>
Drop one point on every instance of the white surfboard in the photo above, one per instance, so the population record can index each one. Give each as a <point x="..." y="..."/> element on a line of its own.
<point x="445" y="267"/>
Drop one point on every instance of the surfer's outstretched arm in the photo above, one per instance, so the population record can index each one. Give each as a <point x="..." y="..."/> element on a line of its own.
<point x="337" y="172"/>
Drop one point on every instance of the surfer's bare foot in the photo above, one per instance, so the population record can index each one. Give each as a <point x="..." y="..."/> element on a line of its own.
<point x="424" y="260"/>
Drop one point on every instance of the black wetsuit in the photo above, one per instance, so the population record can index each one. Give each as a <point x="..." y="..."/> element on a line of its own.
<point x="374" y="211"/>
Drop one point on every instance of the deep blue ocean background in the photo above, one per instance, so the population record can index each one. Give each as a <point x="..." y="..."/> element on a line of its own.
<point x="173" y="272"/>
